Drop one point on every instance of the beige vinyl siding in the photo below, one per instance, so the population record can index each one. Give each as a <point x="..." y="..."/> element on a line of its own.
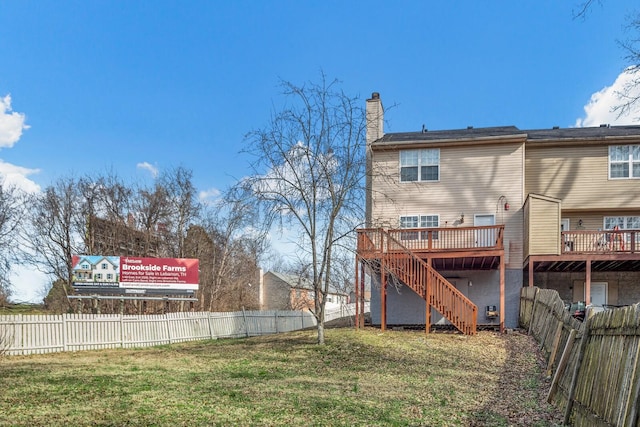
<point x="579" y="176"/>
<point x="472" y="179"/>
<point x="543" y="225"/>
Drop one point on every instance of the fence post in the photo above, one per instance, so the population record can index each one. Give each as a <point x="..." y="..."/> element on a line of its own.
<point x="561" y="365"/>
<point x="276" y="316"/>
<point x="166" y="317"/>
<point x="246" y="325"/>
<point x="533" y="311"/>
<point x="554" y="347"/>
<point x="121" y="330"/>
<point x="576" y="370"/>
<point x="210" y="320"/>
<point x="631" y="414"/>
<point x="64" y="332"/>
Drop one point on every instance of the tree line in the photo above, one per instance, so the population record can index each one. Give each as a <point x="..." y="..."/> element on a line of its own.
<point x="101" y="214"/>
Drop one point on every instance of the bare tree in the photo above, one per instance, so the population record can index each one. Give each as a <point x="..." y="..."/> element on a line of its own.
<point x="52" y="235"/>
<point x="630" y="93"/>
<point x="308" y="172"/>
<point x="228" y="249"/>
<point x="183" y="205"/>
<point x="10" y="218"/>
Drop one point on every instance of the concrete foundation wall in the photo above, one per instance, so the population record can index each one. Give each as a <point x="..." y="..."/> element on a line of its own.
<point x="405" y="307"/>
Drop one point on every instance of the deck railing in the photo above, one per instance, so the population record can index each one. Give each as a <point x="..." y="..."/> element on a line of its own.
<point x="601" y="241"/>
<point x="434" y="239"/>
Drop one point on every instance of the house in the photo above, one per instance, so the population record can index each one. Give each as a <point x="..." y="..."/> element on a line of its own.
<point x="93" y="269"/>
<point x="281" y="291"/>
<point x="459" y="220"/>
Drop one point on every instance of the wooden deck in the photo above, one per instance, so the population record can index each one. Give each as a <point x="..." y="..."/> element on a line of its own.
<point x="412" y="255"/>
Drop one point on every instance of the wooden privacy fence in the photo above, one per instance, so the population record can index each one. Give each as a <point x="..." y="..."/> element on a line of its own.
<point x="31" y="334"/>
<point x="595" y="363"/>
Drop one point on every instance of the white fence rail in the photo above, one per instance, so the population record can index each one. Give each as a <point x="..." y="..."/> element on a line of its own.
<point x="32" y="334"/>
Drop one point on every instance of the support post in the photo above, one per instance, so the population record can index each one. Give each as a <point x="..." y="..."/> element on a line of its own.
<point x="362" y="294"/>
<point x="530" y="273"/>
<point x="427" y="298"/>
<point x="357" y="285"/>
<point x="383" y="296"/>
<point x="502" y="293"/>
<point x="587" y="283"/>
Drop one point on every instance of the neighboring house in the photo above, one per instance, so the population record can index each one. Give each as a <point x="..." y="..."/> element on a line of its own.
<point x="281" y="291"/>
<point x="491" y="209"/>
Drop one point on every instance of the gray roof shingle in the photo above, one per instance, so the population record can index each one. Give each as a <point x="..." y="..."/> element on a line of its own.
<point x="503" y="131"/>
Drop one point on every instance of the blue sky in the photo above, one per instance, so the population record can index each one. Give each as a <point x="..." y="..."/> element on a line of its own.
<point x="116" y="85"/>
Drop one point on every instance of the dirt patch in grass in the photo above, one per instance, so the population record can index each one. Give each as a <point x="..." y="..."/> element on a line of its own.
<point x="368" y="377"/>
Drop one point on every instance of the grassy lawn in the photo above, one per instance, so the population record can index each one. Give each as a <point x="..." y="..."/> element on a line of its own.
<point x="359" y="378"/>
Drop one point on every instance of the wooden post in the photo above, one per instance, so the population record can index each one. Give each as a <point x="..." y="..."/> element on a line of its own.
<point x="587" y="283"/>
<point x="561" y="365"/>
<point x="576" y="370"/>
<point x="357" y="284"/>
<point x="633" y="401"/>
<point x="533" y="311"/>
<point x="502" y="293"/>
<point x="428" y="299"/>
<point x="530" y="272"/>
<point x="383" y="296"/>
<point x="361" y="295"/>
<point x="554" y="348"/>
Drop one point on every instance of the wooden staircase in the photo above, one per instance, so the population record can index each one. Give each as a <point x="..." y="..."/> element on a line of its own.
<point x="424" y="280"/>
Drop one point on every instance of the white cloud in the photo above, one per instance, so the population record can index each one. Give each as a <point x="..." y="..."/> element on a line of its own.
<point x="17" y="175"/>
<point x="208" y="196"/>
<point x="149" y="167"/>
<point x="599" y="108"/>
<point x="11" y="127"/>
<point x="11" y="123"/>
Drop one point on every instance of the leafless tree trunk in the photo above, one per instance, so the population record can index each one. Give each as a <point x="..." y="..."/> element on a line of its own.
<point x="308" y="172"/>
<point x="11" y="209"/>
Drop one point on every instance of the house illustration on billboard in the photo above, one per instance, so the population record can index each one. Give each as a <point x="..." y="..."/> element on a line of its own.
<point x="96" y="268"/>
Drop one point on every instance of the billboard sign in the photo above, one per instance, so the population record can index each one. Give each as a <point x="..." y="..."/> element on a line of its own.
<point x="98" y="273"/>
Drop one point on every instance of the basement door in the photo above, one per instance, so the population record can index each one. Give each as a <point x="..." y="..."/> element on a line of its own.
<point x="599" y="293"/>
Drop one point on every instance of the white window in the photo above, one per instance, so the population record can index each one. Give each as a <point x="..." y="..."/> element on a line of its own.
<point x="104" y="266"/>
<point x="420" y="165"/>
<point x="109" y="276"/>
<point x="419" y="221"/>
<point x="98" y="276"/>
<point x="85" y="266"/>
<point x="624" y="161"/>
<point x="622" y="222"/>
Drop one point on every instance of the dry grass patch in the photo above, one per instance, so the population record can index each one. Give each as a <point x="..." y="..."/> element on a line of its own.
<point x="357" y="378"/>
